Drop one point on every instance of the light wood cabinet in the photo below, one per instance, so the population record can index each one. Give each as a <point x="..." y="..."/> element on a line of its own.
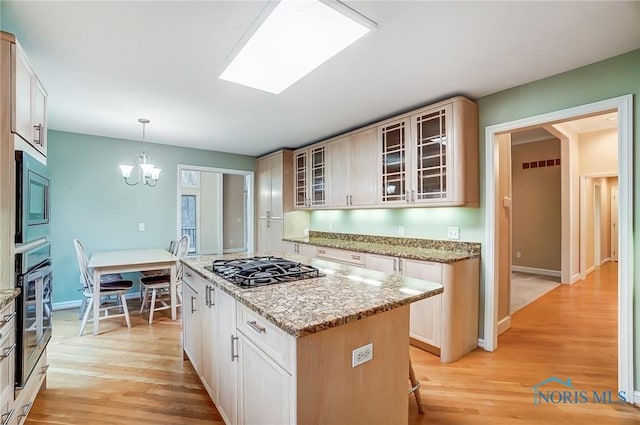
<point x="352" y="178"/>
<point x="446" y="324"/>
<point x="299" y="248"/>
<point x="273" y="198"/>
<point x="227" y="358"/>
<point x="310" y="177"/>
<point x="29" y="118"/>
<point x="430" y="157"/>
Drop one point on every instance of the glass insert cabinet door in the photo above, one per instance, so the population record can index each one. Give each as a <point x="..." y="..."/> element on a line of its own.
<point x="300" y="161"/>
<point x="393" y="142"/>
<point x="318" y="176"/>
<point x="310" y="171"/>
<point x="432" y="144"/>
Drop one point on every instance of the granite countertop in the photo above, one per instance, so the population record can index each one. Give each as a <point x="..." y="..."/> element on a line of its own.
<point x="418" y="249"/>
<point x="8" y="295"/>
<point x="342" y="295"/>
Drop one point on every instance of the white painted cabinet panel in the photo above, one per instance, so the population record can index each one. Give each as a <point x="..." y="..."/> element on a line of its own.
<point x="227" y="358"/>
<point x="338" y="165"/>
<point x="210" y="341"/>
<point x="363" y="171"/>
<point x="192" y="319"/>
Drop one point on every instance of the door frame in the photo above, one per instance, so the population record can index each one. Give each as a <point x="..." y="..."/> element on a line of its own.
<point x="249" y="196"/>
<point x="624" y="107"/>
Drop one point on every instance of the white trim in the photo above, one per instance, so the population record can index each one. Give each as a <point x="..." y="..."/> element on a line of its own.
<point x="624" y="106"/>
<point x="534" y="270"/>
<point x="504" y="325"/>
<point x="480" y="342"/>
<point x="233" y="250"/>
<point x="636" y="398"/>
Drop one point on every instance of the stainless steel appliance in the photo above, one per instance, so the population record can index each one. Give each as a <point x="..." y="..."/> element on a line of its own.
<point x="259" y="271"/>
<point x="32" y="199"/>
<point x="33" y="308"/>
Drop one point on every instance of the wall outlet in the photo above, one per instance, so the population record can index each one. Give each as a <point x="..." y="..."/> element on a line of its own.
<point x="453" y="232"/>
<point x="401" y="230"/>
<point x="306" y="231"/>
<point x="140" y="227"/>
<point x="362" y="355"/>
<point x="518" y="254"/>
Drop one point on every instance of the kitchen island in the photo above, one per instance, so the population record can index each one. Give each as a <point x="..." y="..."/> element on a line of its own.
<point x="285" y="353"/>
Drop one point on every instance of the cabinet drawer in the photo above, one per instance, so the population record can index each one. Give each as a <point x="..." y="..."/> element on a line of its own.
<point x="7" y="319"/>
<point x="28" y="394"/>
<point x="196" y="281"/>
<point x="342" y="256"/>
<point x="275" y="342"/>
<point x="6" y="406"/>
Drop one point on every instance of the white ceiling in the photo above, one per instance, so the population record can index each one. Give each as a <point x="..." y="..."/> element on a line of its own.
<point x="105" y="64"/>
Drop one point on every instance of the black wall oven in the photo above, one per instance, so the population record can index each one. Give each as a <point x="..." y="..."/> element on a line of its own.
<point x="33" y="307"/>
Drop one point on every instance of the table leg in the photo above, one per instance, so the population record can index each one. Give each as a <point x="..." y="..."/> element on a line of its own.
<point x="173" y="292"/>
<point x="96" y="301"/>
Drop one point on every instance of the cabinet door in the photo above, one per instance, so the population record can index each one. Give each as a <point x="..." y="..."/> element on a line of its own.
<point x="263" y="187"/>
<point x="227" y="357"/>
<point x="363" y="168"/>
<point x="317" y="176"/>
<point x="338" y="166"/>
<point x="276" y="169"/>
<point x="289" y="247"/>
<point x="264" y="388"/>
<point x="300" y="173"/>
<point x="192" y="326"/>
<point x="270" y="235"/>
<point x="425" y="323"/>
<point x="39" y="119"/>
<point x="23" y="76"/>
<point x="431" y="144"/>
<point x="209" y="342"/>
<point x="307" y="250"/>
<point x="382" y="263"/>
<point x="393" y="140"/>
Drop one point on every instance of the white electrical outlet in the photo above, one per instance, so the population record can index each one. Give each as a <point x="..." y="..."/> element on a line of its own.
<point x="518" y="254"/>
<point x="401" y="230"/>
<point x="453" y="232"/>
<point x="362" y="355"/>
<point x="140" y="227"/>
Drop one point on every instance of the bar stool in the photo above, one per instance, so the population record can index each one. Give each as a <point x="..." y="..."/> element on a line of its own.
<point x="415" y="387"/>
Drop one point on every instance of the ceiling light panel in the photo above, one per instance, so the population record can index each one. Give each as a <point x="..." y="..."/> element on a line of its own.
<point x="296" y="37"/>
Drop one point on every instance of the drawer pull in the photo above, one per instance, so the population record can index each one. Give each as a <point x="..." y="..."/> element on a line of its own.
<point x="233" y="351"/>
<point x="6" y="417"/>
<point x="7" y="351"/>
<point x="188" y="274"/>
<point x="193" y="308"/>
<point x="322" y="251"/>
<point x="25" y="411"/>
<point x="355" y="257"/>
<point x="256" y="327"/>
<point x="44" y="369"/>
<point x="7" y="318"/>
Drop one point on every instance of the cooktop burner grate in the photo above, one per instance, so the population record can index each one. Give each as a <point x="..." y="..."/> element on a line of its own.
<point x="260" y="271"/>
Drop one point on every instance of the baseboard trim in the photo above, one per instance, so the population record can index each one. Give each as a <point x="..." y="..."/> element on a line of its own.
<point x="534" y="270"/>
<point x="636" y="398"/>
<point x="575" y="278"/>
<point x="481" y="343"/>
<point x="66" y="305"/>
<point x="504" y="325"/>
<point x="589" y="270"/>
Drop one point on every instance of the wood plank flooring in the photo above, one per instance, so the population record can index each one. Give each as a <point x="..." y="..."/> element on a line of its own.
<point x="137" y="375"/>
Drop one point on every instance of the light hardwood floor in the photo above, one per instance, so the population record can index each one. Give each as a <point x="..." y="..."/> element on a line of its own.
<point x="137" y="376"/>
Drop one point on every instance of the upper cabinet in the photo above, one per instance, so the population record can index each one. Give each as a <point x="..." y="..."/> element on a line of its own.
<point x="273" y="185"/>
<point x="29" y="118"/>
<point x="310" y="177"/>
<point x="427" y="157"/>
<point x="431" y="156"/>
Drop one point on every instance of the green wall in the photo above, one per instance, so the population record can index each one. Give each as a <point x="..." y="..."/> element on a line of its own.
<point x="611" y="78"/>
<point x="91" y="202"/>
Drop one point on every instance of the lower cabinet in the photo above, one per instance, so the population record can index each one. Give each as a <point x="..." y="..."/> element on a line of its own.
<point x="447" y="324"/>
<point x="299" y="248"/>
<point x="227" y="403"/>
<point x="209" y="342"/>
<point x="7" y="362"/>
<point x="269" y="236"/>
<point x="192" y="323"/>
<point x="25" y="398"/>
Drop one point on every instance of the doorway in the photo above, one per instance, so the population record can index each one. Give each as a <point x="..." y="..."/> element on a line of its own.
<point x="497" y="203"/>
<point x="215" y="208"/>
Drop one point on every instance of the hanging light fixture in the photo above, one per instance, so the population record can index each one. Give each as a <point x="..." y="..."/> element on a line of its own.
<point x="149" y="173"/>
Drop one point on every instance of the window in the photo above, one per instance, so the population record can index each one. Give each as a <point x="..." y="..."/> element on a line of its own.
<point x="188" y="220"/>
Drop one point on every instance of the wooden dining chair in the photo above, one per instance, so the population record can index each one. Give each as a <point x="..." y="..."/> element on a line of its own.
<point x="157" y="287"/>
<point x="112" y="291"/>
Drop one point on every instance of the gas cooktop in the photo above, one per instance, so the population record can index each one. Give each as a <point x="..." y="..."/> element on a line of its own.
<point x="259" y="271"/>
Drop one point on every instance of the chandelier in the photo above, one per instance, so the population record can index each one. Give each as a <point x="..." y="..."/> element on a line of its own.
<point x="148" y="173"/>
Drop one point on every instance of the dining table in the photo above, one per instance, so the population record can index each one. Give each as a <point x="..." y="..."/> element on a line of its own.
<point x="127" y="261"/>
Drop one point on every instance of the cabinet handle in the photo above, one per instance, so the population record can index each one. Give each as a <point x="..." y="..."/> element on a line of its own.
<point x="268" y="214"/>
<point x="350" y="199"/>
<point x="256" y="327"/>
<point x="322" y="251"/>
<point x="211" y="291"/>
<point x="395" y="265"/>
<point x="400" y="265"/>
<point x="193" y="309"/>
<point x="413" y="196"/>
<point x="6" y="417"/>
<point x="7" y="318"/>
<point x="268" y="224"/>
<point x="347" y="201"/>
<point x="296" y="248"/>
<point x="207" y="294"/>
<point x="38" y="129"/>
<point x="233" y="353"/>
<point x="407" y="197"/>
<point x="188" y="274"/>
<point x="355" y="257"/>
<point x="25" y="411"/>
<point x="7" y="351"/>
<point x="44" y="369"/>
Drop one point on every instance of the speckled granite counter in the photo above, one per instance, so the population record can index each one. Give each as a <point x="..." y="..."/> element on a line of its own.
<point x="8" y="295"/>
<point x="343" y="295"/>
<point x="418" y="249"/>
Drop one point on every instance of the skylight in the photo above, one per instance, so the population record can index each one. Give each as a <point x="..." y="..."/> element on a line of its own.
<point x="296" y="38"/>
